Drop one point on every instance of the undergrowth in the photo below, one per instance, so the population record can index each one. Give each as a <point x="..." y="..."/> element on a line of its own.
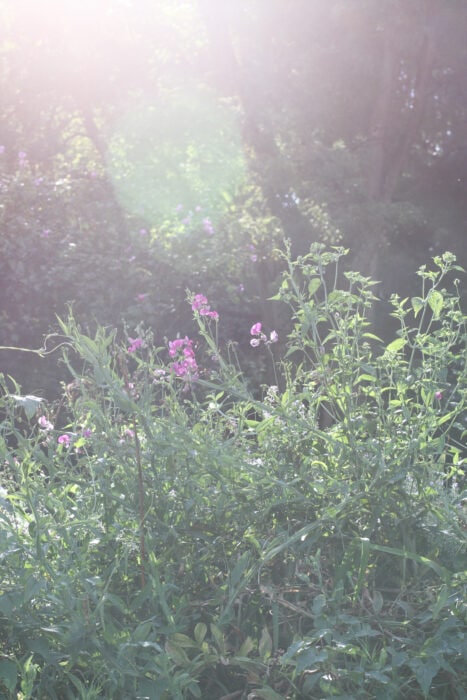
<point x="168" y="531"/>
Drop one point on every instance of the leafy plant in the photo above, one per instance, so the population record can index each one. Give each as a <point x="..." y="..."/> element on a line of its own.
<point x="170" y="531"/>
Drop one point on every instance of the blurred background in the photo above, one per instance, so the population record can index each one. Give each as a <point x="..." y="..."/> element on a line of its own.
<point x="150" y="147"/>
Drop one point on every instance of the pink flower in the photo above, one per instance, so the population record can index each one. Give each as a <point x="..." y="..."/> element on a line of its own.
<point x="199" y="301"/>
<point x="87" y="432"/>
<point x="438" y="395"/>
<point x="141" y="297"/>
<point x="200" y="304"/>
<point x="210" y="314"/>
<point x="64" y="440"/>
<point x="185" y="365"/>
<point x="45" y="424"/>
<point x="135" y="344"/>
<point x="256" y="329"/>
<point x="178" y="344"/>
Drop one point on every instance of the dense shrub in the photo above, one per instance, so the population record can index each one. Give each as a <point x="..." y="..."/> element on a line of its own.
<point x="183" y="537"/>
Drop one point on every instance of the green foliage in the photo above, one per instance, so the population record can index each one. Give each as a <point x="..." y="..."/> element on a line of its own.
<point x="181" y="538"/>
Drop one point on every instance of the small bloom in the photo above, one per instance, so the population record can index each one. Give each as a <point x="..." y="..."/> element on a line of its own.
<point x="135" y="344"/>
<point x="200" y="304"/>
<point x="274" y="337"/>
<point x="141" y="297"/>
<point x="185" y="365"/>
<point x="45" y="424"/>
<point x="208" y="227"/>
<point x="87" y="432"/>
<point x="438" y="395"/>
<point x="199" y="301"/>
<point x="143" y="232"/>
<point x="178" y="344"/>
<point x="256" y="329"/>
<point x="64" y="440"/>
<point x="255" y="342"/>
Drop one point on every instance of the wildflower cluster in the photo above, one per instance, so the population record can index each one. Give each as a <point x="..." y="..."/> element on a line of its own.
<point x="185" y="365"/>
<point x="260" y="337"/>
<point x="201" y="305"/>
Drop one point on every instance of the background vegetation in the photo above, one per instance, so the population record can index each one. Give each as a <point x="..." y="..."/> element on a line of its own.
<point x="263" y="496"/>
<point x="153" y="146"/>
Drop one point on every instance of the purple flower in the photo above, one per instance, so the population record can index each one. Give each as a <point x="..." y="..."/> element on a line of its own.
<point x="64" y="440"/>
<point x="438" y="395"/>
<point x="254" y="342"/>
<point x="256" y="329"/>
<point x="208" y="227"/>
<point x="135" y="344"/>
<point x="143" y="232"/>
<point x="87" y="432"/>
<point x="141" y="297"/>
<point x="274" y="337"/>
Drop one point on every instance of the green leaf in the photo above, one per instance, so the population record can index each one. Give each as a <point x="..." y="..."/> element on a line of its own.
<point x="30" y="403"/>
<point x="8" y="674"/>
<point x="372" y="336"/>
<point x="313" y="285"/>
<point x="247" y="646"/>
<point x="417" y="305"/>
<point x="177" y="654"/>
<point x="265" y="644"/>
<point x="396" y="345"/>
<point x="424" y="673"/>
<point x="200" y="632"/>
<point x="436" y="302"/>
<point x="319" y="603"/>
<point x="182" y="640"/>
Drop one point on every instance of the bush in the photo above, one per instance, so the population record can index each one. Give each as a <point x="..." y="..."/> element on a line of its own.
<point x="182" y="537"/>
